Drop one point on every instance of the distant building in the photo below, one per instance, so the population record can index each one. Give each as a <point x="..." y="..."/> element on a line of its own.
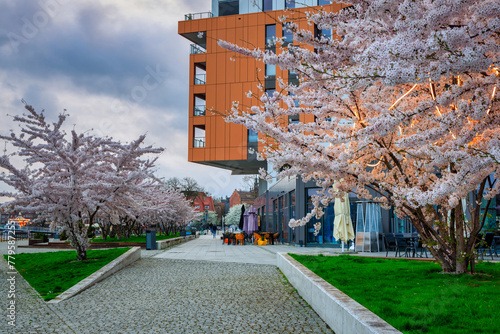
<point x="203" y="203"/>
<point x="242" y="197"/>
<point x="21" y="218"/>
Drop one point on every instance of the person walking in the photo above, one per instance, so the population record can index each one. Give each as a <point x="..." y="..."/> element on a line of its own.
<point x="214" y="229"/>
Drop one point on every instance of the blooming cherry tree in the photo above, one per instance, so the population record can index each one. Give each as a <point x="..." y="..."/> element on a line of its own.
<point x="400" y="106"/>
<point x="71" y="180"/>
<point x="234" y="215"/>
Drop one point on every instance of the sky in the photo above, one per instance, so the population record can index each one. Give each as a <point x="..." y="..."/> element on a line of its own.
<point x="118" y="67"/>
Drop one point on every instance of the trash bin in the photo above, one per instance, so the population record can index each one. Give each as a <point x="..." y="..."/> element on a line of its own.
<point x="150" y="239"/>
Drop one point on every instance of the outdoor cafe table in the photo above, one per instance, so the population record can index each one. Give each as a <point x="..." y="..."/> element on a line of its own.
<point x="411" y="243"/>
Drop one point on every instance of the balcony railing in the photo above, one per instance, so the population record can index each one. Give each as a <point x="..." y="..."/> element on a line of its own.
<point x="199" y="110"/>
<point x="199" y="142"/>
<point x="200" y="79"/>
<point x="196" y="16"/>
<point x="195" y="48"/>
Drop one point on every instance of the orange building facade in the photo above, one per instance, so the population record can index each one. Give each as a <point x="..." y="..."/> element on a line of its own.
<point x="219" y="77"/>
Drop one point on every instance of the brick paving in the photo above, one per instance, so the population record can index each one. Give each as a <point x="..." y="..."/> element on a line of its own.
<point x="172" y="295"/>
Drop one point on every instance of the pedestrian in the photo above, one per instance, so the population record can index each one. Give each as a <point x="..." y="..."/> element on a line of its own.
<point x="214" y="230"/>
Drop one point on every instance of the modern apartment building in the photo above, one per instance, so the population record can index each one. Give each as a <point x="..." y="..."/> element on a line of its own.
<point x="219" y="77"/>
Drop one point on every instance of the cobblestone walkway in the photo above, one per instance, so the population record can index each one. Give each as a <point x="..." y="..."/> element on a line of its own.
<point x="172" y="296"/>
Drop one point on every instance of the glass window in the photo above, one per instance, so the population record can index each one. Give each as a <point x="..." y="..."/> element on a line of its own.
<point x="324" y="2"/>
<point x="270" y="70"/>
<point x="270" y="92"/>
<point x="326" y="33"/>
<point x="253" y="136"/>
<point x="289" y="4"/>
<point x="207" y="207"/>
<point x="296" y="102"/>
<point x="270" y="34"/>
<point x="197" y="207"/>
<point x="229" y="7"/>
<point x="267" y="5"/>
<point x="287" y="36"/>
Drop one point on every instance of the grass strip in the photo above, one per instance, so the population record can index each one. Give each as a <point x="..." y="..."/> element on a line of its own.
<point x="135" y="238"/>
<point x="415" y="296"/>
<point x="52" y="273"/>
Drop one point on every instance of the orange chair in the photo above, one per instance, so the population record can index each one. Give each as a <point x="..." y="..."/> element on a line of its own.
<point x="240" y="238"/>
<point x="256" y="237"/>
<point x="275" y="238"/>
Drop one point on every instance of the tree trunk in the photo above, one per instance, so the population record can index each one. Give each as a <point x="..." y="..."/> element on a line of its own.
<point x="79" y="241"/>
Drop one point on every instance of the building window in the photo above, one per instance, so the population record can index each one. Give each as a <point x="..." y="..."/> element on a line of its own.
<point x="324" y="2"/>
<point x="229" y="7"/>
<point x="253" y="136"/>
<point x="270" y="70"/>
<point x="199" y="136"/>
<point x="200" y="74"/>
<point x="267" y="5"/>
<point x="197" y="207"/>
<point x="207" y="207"/>
<point x="287" y="36"/>
<point x="289" y="4"/>
<point x="199" y="105"/>
<point x="270" y="35"/>
<point x="270" y="92"/>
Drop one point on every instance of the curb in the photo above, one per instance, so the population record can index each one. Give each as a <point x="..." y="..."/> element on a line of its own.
<point x="343" y="314"/>
<point x="117" y="264"/>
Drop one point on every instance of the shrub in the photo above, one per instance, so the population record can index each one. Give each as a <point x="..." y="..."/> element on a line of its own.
<point x="44" y="237"/>
<point x="63" y="236"/>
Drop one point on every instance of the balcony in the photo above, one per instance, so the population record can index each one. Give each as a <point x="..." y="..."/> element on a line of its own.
<point x="195" y="49"/>
<point x="200" y="79"/>
<point x="199" y="142"/>
<point x="197" y="16"/>
<point x="199" y="110"/>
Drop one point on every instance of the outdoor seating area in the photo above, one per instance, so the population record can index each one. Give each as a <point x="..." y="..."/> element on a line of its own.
<point x="404" y="245"/>
<point x="242" y="238"/>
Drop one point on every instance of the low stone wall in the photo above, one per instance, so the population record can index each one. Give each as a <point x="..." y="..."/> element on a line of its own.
<point x="117" y="264"/>
<point x="339" y="311"/>
<point x="163" y="244"/>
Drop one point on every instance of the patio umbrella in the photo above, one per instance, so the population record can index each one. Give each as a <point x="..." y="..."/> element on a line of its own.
<point x="241" y="217"/>
<point x="245" y="221"/>
<point x="343" y="224"/>
<point x="253" y="221"/>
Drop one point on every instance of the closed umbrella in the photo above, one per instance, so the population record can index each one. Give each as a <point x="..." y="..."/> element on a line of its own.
<point x="253" y="220"/>
<point x="343" y="224"/>
<point x="241" y="217"/>
<point x="245" y="222"/>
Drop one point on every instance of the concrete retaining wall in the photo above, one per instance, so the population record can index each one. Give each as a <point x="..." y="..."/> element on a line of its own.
<point x="163" y="244"/>
<point x="339" y="311"/>
<point x="117" y="264"/>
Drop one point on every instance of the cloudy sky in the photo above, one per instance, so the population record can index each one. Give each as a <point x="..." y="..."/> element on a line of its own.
<point x="117" y="66"/>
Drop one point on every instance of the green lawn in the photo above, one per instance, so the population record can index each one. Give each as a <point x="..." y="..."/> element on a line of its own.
<point x="413" y="296"/>
<point x="134" y="238"/>
<point x="52" y="273"/>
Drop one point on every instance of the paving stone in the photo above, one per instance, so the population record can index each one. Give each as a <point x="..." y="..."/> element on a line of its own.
<point x="169" y="295"/>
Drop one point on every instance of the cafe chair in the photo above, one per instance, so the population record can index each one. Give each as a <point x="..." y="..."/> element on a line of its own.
<point x="256" y="237"/>
<point x="275" y="238"/>
<point x="401" y="244"/>
<point x="390" y="244"/>
<point x="240" y="239"/>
